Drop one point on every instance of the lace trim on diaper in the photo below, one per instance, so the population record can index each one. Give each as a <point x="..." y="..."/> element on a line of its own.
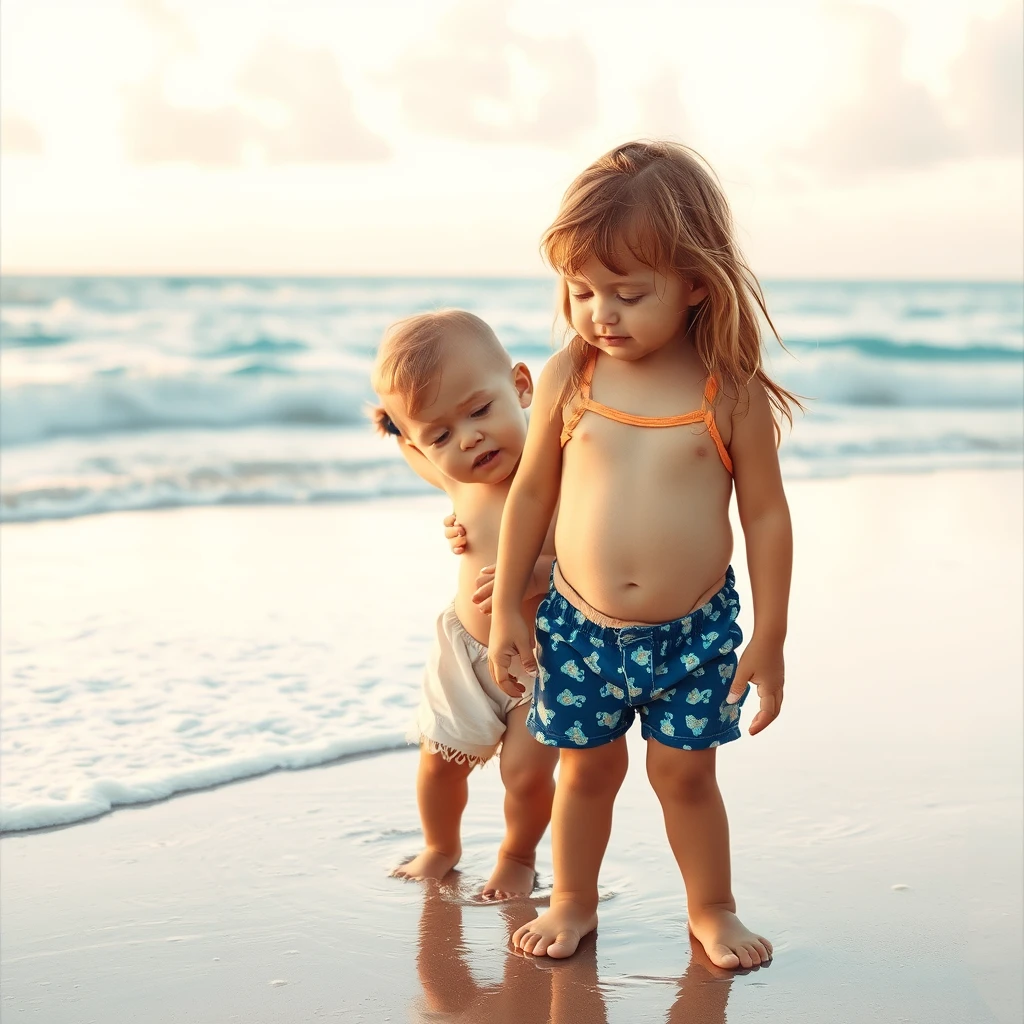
<point x="450" y="753"/>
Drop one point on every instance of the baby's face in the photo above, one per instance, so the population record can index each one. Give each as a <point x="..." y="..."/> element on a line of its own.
<point x="473" y="426"/>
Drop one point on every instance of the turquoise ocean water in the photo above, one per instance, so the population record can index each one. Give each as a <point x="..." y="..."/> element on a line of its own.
<point x="138" y="393"/>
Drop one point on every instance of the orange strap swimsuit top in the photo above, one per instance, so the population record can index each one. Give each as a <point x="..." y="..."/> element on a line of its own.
<point x="704" y="414"/>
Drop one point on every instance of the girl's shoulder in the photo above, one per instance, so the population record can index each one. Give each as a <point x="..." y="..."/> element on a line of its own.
<point x="559" y="368"/>
<point x="731" y="402"/>
<point x="737" y="400"/>
<point x="556" y="376"/>
<point x="556" y="386"/>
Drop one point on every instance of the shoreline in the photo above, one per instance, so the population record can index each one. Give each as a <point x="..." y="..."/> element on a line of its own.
<point x="142" y="805"/>
<point x="417" y="492"/>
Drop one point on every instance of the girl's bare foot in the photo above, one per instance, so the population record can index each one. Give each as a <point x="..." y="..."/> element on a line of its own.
<point x="557" y="932"/>
<point x="428" y="864"/>
<point x="509" y="878"/>
<point x="727" y="941"/>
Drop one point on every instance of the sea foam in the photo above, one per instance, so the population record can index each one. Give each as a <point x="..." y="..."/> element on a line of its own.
<point x="99" y="795"/>
<point x="145" y="656"/>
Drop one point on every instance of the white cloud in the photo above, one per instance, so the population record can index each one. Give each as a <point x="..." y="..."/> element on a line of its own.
<point x="170" y="29"/>
<point x="893" y="123"/>
<point x="896" y="124"/>
<point x="660" y="110"/>
<point x="155" y="131"/>
<point x="294" y="107"/>
<point x="19" y="136"/>
<point x="319" y="123"/>
<point x="291" y="105"/>
<point x="481" y="80"/>
<point x="988" y="85"/>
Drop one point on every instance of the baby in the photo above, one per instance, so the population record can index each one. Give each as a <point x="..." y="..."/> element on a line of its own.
<point x="456" y="405"/>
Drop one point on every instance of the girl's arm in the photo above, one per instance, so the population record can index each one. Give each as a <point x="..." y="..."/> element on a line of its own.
<point x="764" y="515"/>
<point x="524" y="525"/>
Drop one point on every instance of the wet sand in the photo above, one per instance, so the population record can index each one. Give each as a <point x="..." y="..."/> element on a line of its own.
<point x="876" y="830"/>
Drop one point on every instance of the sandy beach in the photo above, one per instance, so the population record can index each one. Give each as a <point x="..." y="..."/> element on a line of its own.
<point x="876" y="826"/>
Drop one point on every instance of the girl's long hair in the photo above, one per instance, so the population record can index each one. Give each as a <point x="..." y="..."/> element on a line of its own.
<point x="664" y="203"/>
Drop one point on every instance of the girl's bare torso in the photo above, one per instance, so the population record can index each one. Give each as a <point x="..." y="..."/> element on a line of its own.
<point x="643" y="529"/>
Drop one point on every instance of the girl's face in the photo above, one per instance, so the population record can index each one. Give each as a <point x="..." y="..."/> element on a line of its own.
<point x="629" y="315"/>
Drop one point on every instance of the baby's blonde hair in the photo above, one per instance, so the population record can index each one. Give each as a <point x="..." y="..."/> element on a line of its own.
<point x="410" y="356"/>
<point x="664" y="204"/>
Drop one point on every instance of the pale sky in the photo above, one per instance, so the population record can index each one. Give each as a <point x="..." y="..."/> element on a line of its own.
<point x="437" y="136"/>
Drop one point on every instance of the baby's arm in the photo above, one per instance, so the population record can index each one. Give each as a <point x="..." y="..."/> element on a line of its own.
<point x="525" y="523"/>
<point x="454" y="533"/>
<point x="768" y="532"/>
<point x="417" y="460"/>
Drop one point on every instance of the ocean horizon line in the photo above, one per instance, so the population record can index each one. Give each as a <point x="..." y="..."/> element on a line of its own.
<point x="208" y="275"/>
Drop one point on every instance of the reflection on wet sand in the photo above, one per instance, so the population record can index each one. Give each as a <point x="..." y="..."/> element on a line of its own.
<point x="537" y="991"/>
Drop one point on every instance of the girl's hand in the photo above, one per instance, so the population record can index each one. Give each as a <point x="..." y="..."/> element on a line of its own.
<point x="455" y="534"/>
<point x="510" y="635"/>
<point x="762" y="665"/>
<point x="484" y="589"/>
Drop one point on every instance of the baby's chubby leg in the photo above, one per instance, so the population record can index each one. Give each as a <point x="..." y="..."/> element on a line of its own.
<point x="442" y="789"/>
<point x="527" y="772"/>
<point x="698" y="832"/>
<point x="581" y="823"/>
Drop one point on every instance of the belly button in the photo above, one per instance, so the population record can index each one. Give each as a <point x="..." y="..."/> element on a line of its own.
<point x="701" y="451"/>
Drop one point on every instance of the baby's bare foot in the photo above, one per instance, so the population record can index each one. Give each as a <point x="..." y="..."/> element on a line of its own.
<point x="428" y="864"/>
<point x="509" y="878"/>
<point x="727" y="941"/>
<point x="557" y="932"/>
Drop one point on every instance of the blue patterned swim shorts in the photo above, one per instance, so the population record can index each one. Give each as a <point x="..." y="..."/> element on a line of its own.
<point x="593" y="678"/>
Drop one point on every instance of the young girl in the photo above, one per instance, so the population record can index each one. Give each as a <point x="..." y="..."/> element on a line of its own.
<point x="643" y="423"/>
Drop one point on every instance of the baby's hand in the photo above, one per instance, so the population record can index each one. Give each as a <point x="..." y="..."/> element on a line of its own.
<point x="484" y="589"/>
<point x="456" y="534"/>
<point x="762" y="665"/>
